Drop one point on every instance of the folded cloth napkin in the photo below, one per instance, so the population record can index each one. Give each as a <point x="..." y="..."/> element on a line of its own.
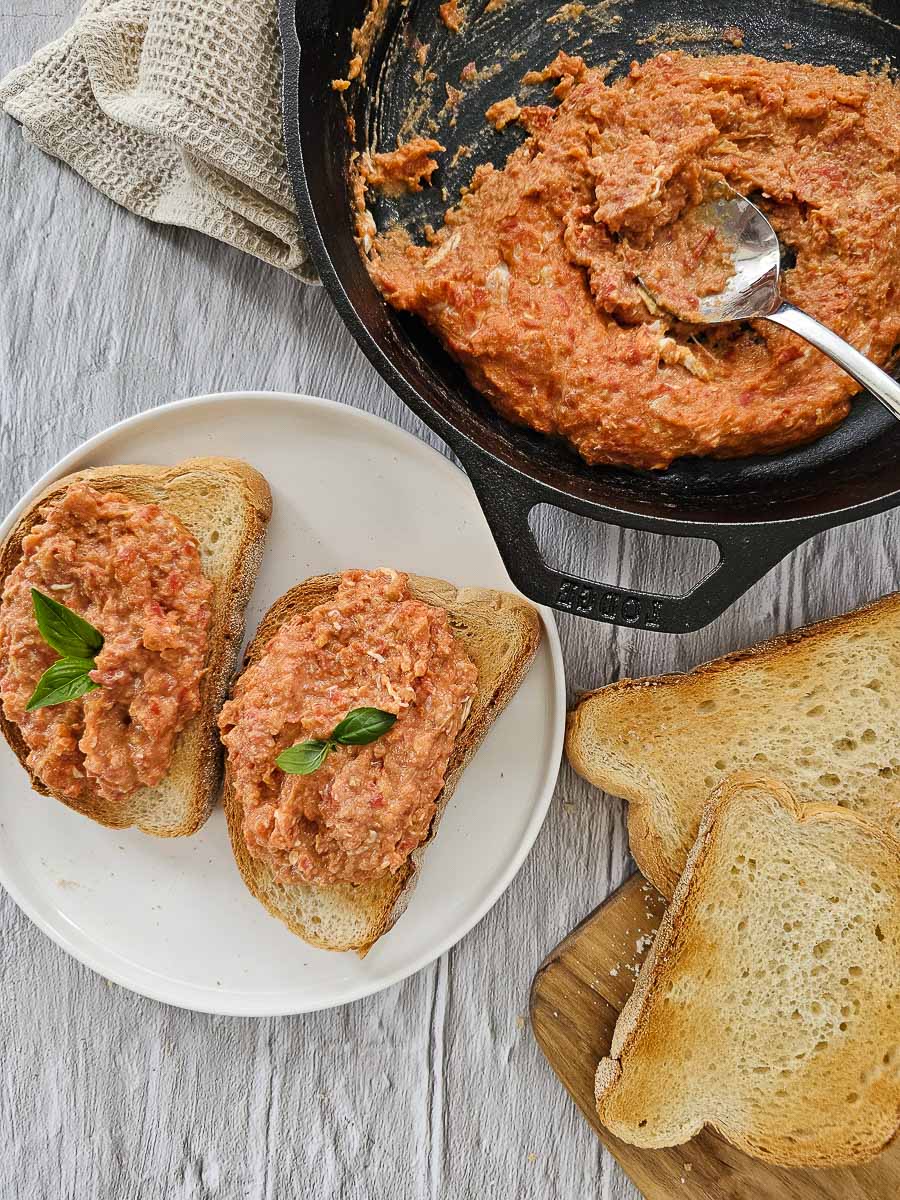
<point x="173" y="109"/>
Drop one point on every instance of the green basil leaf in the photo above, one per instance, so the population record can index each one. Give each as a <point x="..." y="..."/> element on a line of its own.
<point x="68" y="634"/>
<point x="362" y="725"/>
<point x="358" y="728"/>
<point x="304" y="758"/>
<point x="66" y="680"/>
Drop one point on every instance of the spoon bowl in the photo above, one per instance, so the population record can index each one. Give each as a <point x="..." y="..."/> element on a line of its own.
<point x="752" y="291"/>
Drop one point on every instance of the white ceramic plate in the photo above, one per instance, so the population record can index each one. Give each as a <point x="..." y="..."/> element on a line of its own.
<point x="171" y="918"/>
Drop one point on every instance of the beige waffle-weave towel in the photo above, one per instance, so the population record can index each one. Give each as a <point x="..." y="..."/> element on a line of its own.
<point x="173" y="109"/>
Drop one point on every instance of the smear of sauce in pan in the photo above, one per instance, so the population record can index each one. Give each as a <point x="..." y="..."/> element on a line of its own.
<point x="853" y="6"/>
<point x="453" y="15"/>
<point x="676" y="33"/>
<point x="406" y="169"/>
<point x="548" y="280"/>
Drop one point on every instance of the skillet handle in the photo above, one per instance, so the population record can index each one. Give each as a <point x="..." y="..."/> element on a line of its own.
<point x="746" y="554"/>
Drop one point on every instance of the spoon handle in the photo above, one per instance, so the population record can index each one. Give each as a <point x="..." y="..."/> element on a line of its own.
<point x="862" y="369"/>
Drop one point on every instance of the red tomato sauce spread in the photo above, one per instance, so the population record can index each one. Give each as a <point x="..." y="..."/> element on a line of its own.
<point x="133" y="571"/>
<point x="532" y="282"/>
<point x="363" y="812"/>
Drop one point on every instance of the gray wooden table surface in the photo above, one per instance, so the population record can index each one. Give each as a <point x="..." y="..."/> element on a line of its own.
<point x="434" y="1088"/>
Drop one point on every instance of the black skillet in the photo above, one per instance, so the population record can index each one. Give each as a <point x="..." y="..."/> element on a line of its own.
<point x="756" y="509"/>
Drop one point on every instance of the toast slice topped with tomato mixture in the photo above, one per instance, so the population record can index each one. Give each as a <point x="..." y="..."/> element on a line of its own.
<point x="768" y="1007"/>
<point x="500" y="634"/>
<point x="817" y="707"/>
<point x="225" y="505"/>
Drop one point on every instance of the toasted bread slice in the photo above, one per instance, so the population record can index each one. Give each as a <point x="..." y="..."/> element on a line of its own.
<point x="226" y="505"/>
<point x="817" y="707"/>
<point x="768" y="1007"/>
<point x="500" y="633"/>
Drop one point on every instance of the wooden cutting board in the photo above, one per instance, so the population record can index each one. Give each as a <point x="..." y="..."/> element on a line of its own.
<point x="575" y="999"/>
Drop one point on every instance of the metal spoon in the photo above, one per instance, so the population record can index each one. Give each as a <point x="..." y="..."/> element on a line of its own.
<point x="752" y="291"/>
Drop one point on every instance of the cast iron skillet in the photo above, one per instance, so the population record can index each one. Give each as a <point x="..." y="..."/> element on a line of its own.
<point x="757" y="509"/>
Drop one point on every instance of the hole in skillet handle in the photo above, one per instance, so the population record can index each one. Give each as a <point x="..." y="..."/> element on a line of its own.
<point x="637" y="559"/>
<point x="746" y="553"/>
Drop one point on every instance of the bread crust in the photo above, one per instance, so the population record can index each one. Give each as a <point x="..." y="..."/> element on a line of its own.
<point x="381" y="903"/>
<point x="177" y="489"/>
